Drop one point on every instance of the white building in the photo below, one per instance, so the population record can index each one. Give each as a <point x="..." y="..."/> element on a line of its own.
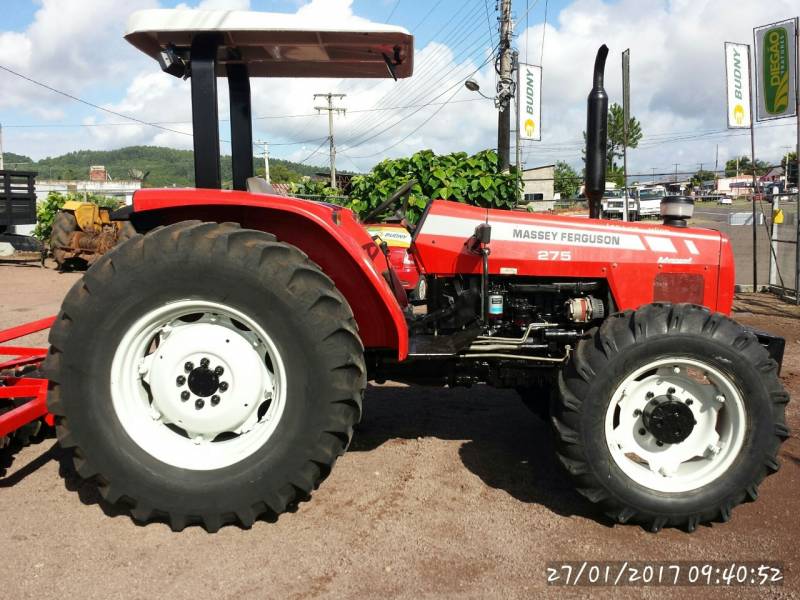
<point x="122" y="189"/>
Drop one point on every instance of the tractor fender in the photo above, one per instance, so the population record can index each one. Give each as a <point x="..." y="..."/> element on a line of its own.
<point x="330" y="235"/>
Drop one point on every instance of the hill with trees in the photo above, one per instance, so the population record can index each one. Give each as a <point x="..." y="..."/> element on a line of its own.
<point x="164" y="167"/>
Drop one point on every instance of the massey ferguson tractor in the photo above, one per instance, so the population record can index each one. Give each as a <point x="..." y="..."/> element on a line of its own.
<point x="240" y="329"/>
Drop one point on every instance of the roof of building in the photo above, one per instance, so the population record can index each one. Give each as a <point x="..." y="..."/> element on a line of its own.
<point x="280" y="45"/>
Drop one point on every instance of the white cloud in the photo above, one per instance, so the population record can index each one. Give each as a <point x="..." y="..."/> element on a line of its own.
<point x="677" y="82"/>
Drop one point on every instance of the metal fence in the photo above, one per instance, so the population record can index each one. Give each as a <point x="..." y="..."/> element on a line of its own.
<point x="783" y="275"/>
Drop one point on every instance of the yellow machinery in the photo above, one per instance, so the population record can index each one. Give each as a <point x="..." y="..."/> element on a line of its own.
<point x="84" y="231"/>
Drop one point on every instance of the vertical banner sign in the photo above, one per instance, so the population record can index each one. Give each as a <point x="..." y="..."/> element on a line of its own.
<point x="737" y="68"/>
<point x="776" y="70"/>
<point x="529" y="86"/>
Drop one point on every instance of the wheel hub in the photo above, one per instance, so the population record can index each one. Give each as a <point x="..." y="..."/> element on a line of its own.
<point x="203" y="381"/>
<point x="208" y="380"/>
<point x="668" y="419"/>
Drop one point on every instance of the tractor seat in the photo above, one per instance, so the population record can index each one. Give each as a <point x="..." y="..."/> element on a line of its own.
<point x="258" y="185"/>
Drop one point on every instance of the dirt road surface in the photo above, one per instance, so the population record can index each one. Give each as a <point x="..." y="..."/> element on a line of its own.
<point x="452" y="493"/>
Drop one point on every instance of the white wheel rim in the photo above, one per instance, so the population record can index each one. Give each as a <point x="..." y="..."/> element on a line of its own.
<point x="223" y="420"/>
<point x="709" y="450"/>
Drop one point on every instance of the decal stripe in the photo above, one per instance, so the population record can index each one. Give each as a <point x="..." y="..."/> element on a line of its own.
<point x="660" y="244"/>
<point x="610" y="227"/>
<point x="692" y="248"/>
<point x="533" y="233"/>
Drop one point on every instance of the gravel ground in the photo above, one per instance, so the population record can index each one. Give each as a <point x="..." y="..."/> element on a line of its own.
<point x="443" y="493"/>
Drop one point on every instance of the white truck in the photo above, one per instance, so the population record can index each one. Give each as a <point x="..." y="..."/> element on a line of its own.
<point x="614" y="205"/>
<point x="649" y="202"/>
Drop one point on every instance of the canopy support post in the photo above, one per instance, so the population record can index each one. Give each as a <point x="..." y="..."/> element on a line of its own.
<point x="205" y="111"/>
<point x="241" y="125"/>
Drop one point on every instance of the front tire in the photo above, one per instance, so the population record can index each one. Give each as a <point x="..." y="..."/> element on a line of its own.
<point x="205" y="374"/>
<point x="669" y="416"/>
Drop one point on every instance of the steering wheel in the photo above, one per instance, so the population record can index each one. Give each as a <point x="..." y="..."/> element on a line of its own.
<point x="400" y="193"/>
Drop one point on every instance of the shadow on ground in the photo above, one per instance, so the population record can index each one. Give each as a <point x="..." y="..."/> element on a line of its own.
<point x="503" y="443"/>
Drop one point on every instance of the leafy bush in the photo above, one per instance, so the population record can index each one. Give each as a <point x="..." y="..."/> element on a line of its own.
<point x="468" y="179"/>
<point x="313" y="187"/>
<point x="46" y="211"/>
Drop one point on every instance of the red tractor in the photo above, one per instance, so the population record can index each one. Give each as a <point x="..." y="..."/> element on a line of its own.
<point x="210" y="370"/>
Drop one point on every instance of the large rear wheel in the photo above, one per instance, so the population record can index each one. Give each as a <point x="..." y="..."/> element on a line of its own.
<point x="64" y="227"/>
<point x="205" y="374"/>
<point x="669" y="416"/>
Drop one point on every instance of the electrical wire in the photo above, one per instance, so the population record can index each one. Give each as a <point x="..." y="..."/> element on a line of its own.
<point x="96" y="106"/>
<point x="391" y="14"/>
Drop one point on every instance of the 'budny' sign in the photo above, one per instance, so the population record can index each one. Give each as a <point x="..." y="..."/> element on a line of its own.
<point x="737" y="67"/>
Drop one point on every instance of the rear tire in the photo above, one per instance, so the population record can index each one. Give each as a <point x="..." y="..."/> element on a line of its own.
<point x="293" y="368"/>
<point x="688" y="357"/>
<point x="64" y="226"/>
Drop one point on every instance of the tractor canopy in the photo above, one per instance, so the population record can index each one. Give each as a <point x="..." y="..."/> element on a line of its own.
<point x="278" y="45"/>
<point x="202" y="45"/>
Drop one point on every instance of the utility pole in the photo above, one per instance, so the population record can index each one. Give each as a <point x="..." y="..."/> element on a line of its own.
<point x="676" y="172"/>
<point x="2" y="165"/>
<point x="266" y="160"/>
<point x="331" y="109"/>
<point x="505" y="86"/>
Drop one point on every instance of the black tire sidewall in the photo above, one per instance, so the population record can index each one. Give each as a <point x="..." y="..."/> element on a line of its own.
<point x="745" y="469"/>
<point x="112" y="450"/>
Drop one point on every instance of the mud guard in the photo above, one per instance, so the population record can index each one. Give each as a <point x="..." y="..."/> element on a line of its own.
<point x="330" y="235"/>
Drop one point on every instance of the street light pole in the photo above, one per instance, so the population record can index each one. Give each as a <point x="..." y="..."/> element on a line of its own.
<point x="505" y="87"/>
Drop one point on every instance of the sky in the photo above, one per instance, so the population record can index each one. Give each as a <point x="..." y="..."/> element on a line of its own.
<point x="677" y="80"/>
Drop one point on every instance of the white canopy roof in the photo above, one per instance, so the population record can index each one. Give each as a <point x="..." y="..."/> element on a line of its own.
<point x="279" y="45"/>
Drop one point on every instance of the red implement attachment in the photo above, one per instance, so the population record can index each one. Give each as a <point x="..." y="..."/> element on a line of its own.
<point x="27" y="394"/>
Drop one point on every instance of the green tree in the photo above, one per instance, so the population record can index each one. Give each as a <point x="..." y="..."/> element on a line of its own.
<point x="701" y="176"/>
<point x="567" y="181"/>
<point x="468" y="179"/>
<point x="616" y="136"/>
<point x="745" y="168"/>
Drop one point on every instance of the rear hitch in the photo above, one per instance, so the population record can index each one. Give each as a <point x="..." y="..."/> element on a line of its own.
<point x="596" y="136"/>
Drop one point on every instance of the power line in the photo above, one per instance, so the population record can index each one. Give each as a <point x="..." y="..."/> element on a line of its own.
<point x="95" y="106"/>
<point x="544" y="30"/>
<point x="356" y="110"/>
<point x="314" y="152"/>
<point x="391" y="14"/>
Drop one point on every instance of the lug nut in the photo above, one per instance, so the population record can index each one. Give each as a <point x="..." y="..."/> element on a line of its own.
<point x="223" y="386"/>
<point x="649" y="395"/>
<point x="671" y="390"/>
<point x="214" y="400"/>
<point x="637" y="412"/>
<point x="659" y="443"/>
<point x="204" y="362"/>
<point x="188" y="366"/>
<point x="642" y="431"/>
<point x="180" y="380"/>
<point x="689" y="402"/>
<point x="185" y="395"/>
<point x="199" y="403"/>
<point x="219" y="371"/>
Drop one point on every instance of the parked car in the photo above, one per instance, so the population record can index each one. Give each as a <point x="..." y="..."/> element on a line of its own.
<point x="650" y="201"/>
<point x="724" y="200"/>
<point x="614" y="205"/>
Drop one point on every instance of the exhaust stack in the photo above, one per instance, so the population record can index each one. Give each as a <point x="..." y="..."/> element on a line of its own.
<point x="596" y="136"/>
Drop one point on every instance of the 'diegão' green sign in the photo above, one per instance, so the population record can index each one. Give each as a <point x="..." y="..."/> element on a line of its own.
<point x="776" y="71"/>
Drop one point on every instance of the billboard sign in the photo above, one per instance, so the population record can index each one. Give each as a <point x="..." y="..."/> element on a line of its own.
<point x="529" y="89"/>
<point x="776" y="70"/>
<point x="737" y="77"/>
